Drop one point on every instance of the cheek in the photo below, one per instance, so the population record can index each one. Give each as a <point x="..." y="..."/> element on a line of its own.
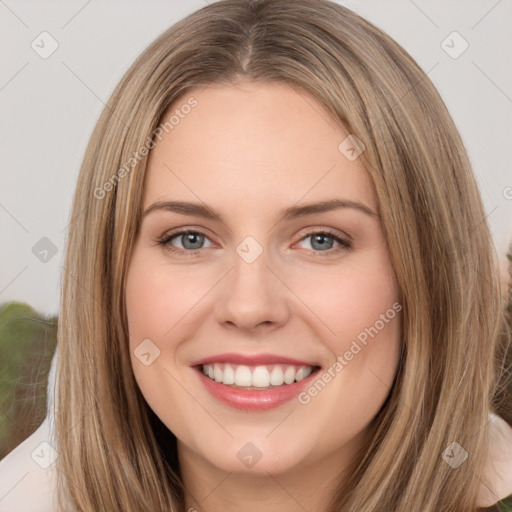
<point x="361" y="309"/>
<point x="157" y="303"/>
<point x="159" y="300"/>
<point x="354" y="300"/>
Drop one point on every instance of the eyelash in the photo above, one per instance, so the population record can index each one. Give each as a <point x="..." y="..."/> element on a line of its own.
<point x="164" y="241"/>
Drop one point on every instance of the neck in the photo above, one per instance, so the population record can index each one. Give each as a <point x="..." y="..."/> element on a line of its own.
<point x="307" y="486"/>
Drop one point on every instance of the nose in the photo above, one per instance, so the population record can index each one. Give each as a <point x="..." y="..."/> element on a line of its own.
<point x="253" y="296"/>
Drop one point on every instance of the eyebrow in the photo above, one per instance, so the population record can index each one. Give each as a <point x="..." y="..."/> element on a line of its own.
<point x="290" y="213"/>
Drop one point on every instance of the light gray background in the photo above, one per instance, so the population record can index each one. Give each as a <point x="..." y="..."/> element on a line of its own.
<point x="49" y="106"/>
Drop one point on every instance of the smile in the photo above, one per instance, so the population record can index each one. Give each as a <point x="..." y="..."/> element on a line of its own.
<point x="256" y="377"/>
<point x="254" y="383"/>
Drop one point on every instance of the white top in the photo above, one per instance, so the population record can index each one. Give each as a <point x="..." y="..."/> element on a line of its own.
<point x="27" y="474"/>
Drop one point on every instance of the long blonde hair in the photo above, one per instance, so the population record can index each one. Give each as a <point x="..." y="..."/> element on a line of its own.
<point x="114" y="453"/>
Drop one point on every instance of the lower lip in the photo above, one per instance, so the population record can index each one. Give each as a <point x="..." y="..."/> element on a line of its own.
<point x="254" y="400"/>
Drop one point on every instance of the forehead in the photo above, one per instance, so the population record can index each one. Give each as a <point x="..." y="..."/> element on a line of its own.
<point x="256" y="145"/>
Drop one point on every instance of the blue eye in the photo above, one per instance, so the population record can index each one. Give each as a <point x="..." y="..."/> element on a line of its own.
<point x="318" y="241"/>
<point x="192" y="242"/>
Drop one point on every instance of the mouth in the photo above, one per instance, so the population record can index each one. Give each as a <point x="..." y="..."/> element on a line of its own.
<point x="256" y="377"/>
<point x="254" y="383"/>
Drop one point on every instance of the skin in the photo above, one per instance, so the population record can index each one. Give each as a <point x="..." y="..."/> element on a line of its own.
<point x="497" y="481"/>
<point x="249" y="151"/>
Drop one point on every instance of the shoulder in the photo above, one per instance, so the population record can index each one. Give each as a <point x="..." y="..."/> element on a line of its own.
<point x="27" y="475"/>
<point x="498" y="472"/>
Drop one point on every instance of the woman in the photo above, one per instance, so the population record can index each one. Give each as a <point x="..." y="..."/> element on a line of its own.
<point x="280" y="289"/>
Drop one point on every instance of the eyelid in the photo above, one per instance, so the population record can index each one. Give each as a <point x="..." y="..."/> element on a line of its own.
<point x="344" y="240"/>
<point x="321" y="229"/>
<point x="169" y="235"/>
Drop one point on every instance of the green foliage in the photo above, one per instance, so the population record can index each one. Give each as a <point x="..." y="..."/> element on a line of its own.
<point x="27" y="343"/>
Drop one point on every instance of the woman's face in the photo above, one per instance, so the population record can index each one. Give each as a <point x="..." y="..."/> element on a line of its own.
<point x="266" y="289"/>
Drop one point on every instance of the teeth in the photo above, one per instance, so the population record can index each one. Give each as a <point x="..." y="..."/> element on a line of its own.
<point x="301" y="373"/>
<point x="243" y="376"/>
<point x="229" y="375"/>
<point x="276" y="376"/>
<point x="289" y="375"/>
<point x="262" y="376"/>
<point x="217" y="373"/>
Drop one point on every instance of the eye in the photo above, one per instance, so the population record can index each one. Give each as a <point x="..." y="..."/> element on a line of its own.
<point x="191" y="241"/>
<point x="320" y="240"/>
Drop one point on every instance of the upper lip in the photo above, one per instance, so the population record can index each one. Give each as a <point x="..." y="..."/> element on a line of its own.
<point x="251" y="360"/>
